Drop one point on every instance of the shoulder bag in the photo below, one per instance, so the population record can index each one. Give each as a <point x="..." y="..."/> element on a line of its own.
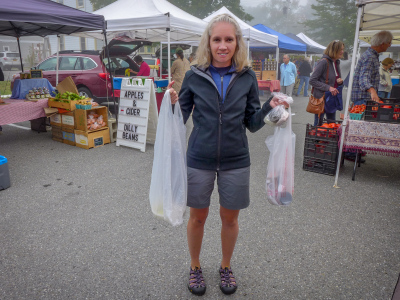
<point x="317" y="105"/>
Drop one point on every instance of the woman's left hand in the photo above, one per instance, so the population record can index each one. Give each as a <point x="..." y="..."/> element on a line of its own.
<point x="275" y="102"/>
<point x="172" y="93"/>
<point x="339" y="81"/>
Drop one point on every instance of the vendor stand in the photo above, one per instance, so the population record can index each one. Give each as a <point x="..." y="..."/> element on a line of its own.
<point x="23" y="86"/>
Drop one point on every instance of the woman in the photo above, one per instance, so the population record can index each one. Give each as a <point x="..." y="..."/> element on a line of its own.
<point x="385" y="83"/>
<point x="224" y="91"/>
<point x="144" y="67"/>
<point x="330" y="63"/>
<point x="178" y="69"/>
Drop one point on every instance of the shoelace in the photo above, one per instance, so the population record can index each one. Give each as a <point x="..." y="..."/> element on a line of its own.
<point x="196" y="279"/>
<point x="227" y="278"/>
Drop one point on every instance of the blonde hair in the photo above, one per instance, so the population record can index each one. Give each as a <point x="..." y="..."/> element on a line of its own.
<point x="334" y="48"/>
<point x="387" y="61"/>
<point x="203" y="53"/>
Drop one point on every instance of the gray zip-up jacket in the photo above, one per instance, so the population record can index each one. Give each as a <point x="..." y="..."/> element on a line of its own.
<point x="218" y="140"/>
<point x="318" y="77"/>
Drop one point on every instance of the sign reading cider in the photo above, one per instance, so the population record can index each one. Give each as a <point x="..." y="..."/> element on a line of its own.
<point x="137" y="113"/>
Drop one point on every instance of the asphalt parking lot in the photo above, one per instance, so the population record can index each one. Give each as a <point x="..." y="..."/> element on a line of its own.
<point x="77" y="224"/>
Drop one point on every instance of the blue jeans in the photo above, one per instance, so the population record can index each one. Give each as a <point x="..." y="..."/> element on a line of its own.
<point x="305" y="80"/>
<point x="382" y="94"/>
<point x="329" y="116"/>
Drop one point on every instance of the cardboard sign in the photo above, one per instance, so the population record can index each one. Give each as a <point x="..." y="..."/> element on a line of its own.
<point x="137" y="115"/>
<point x="36" y="74"/>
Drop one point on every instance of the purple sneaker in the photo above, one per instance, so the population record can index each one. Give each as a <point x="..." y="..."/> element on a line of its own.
<point x="196" y="285"/>
<point x="228" y="283"/>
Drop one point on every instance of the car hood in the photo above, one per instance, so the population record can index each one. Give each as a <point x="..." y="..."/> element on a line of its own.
<point x="124" y="46"/>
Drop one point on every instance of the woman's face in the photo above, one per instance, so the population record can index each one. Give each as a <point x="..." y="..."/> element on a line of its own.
<point x="222" y="44"/>
<point x="340" y="53"/>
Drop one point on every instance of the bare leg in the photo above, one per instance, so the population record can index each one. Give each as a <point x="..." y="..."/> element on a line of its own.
<point x="229" y="234"/>
<point x="195" y="232"/>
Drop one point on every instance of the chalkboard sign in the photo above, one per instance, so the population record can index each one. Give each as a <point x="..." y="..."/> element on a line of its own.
<point x="36" y="74"/>
<point x="98" y="142"/>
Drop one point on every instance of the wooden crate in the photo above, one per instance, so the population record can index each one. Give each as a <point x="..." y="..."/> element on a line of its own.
<point x="56" y="133"/>
<point x="81" y="116"/>
<point x="268" y="75"/>
<point x="94" y="139"/>
<point x="68" y="106"/>
<point x="68" y="136"/>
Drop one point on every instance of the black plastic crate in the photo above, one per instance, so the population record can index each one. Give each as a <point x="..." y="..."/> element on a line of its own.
<point x="321" y="149"/>
<point x="319" y="165"/>
<point x="386" y="112"/>
<point x="322" y="133"/>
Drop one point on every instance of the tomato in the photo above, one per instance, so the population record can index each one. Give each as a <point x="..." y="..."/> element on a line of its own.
<point x="386" y="106"/>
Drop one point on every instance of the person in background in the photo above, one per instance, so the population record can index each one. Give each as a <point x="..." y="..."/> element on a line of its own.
<point x="385" y="83"/>
<point x="192" y="57"/>
<point x="178" y="69"/>
<point x="288" y="75"/>
<point x="144" y="67"/>
<point x="224" y="91"/>
<point x="366" y="76"/>
<point x="1" y="100"/>
<point x="304" y="75"/>
<point x="330" y="60"/>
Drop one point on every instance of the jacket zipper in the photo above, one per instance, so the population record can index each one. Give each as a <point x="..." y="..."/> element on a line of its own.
<point x="220" y="123"/>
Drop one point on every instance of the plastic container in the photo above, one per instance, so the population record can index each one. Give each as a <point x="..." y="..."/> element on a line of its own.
<point x="161" y="83"/>
<point x="4" y="174"/>
<point x="386" y="112"/>
<point x="356" y="116"/>
<point x="117" y="83"/>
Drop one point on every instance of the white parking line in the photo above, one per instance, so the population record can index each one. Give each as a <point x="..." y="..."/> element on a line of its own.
<point x="19" y="126"/>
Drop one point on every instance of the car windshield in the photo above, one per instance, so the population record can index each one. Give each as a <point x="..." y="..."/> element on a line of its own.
<point x="120" y="64"/>
<point x="12" y="55"/>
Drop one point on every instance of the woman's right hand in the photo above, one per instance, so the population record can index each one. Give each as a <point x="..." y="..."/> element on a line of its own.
<point x="333" y="91"/>
<point x="172" y="93"/>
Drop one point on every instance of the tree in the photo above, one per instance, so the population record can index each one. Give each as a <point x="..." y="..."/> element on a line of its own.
<point x="334" y="20"/>
<point x="200" y="9"/>
<point x="282" y="16"/>
<point x="97" y="4"/>
<point x="204" y="8"/>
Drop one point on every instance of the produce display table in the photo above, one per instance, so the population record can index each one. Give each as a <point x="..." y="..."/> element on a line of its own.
<point x="371" y="137"/>
<point x="269" y="85"/>
<point x="21" y="110"/>
<point x="22" y="86"/>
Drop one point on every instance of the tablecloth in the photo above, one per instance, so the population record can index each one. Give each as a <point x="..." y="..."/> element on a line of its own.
<point x="20" y="110"/>
<point x="269" y="85"/>
<point x="22" y="86"/>
<point x="372" y="137"/>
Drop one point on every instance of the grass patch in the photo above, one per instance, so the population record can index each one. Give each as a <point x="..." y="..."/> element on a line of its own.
<point x="5" y="87"/>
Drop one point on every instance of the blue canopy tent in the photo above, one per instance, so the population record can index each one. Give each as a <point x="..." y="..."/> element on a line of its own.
<point x="285" y="43"/>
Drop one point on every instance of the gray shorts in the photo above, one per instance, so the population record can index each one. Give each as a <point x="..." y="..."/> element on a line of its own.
<point x="233" y="187"/>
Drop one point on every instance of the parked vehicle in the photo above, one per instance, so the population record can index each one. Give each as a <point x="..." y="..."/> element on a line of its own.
<point x="9" y="60"/>
<point x="88" y="68"/>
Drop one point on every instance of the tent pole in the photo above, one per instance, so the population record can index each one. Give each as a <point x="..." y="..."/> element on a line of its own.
<point x="248" y="49"/>
<point x="109" y="70"/>
<point x="277" y="62"/>
<point x="20" y="56"/>
<point x="58" y="50"/>
<point x="160" y="60"/>
<point x="346" y="110"/>
<point x="169" y="54"/>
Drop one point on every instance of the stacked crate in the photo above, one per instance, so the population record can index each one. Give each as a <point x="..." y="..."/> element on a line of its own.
<point x="387" y="111"/>
<point x="320" y="150"/>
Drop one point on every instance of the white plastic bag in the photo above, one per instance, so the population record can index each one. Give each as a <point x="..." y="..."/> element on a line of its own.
<point x="280" y="169"/>
<point x="168" y="188"/>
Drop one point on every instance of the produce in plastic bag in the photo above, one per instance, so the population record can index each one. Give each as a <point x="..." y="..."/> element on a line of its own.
<point x="168" y="188"/>
<point x="278" y="115"/>
<point x="280" y="169"/>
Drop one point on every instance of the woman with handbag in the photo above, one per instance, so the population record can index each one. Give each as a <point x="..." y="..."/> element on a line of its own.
<point x="327" y="77"/>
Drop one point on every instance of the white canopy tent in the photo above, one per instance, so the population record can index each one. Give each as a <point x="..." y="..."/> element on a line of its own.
<point x="309" y="41"/>
<point x="254" y="37"/>
<point x="372" y="17"/>
<point x="154" y="20"/>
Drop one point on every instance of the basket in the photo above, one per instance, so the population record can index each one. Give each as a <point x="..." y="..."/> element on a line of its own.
<point x="82" y="106"/>
<point x="387" y="112"/>
<point x="356" y="116"/>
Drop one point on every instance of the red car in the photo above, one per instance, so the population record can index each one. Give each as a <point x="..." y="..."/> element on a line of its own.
<point x="88" y="68"/>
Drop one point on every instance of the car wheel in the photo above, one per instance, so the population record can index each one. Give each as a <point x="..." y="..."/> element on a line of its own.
<point x="83" y="91"/>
